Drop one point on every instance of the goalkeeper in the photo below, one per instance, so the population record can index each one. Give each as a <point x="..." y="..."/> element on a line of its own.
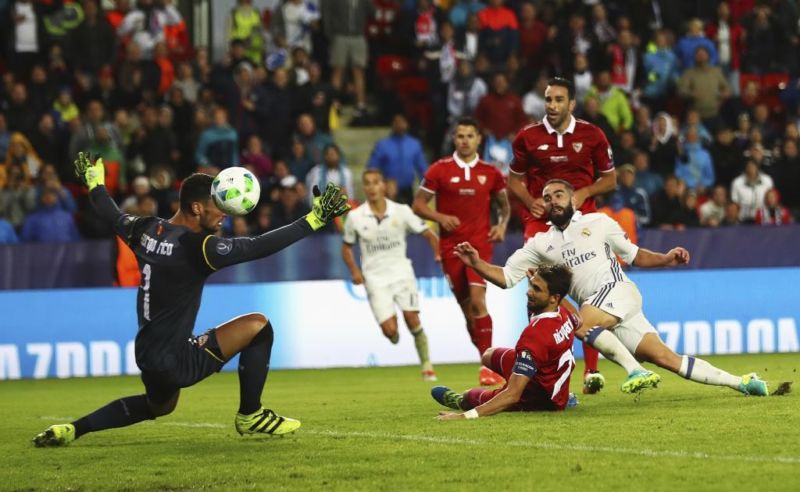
<point x="175" y="258"/>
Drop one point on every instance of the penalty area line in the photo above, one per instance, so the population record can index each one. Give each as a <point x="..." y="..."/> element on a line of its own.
<point x="645" y="452"/>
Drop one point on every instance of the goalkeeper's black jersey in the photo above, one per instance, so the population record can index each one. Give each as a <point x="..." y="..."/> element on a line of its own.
<point x="175" y="263"/>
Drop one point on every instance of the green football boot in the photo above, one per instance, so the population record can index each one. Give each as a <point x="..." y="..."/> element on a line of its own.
<point x="447" y="397"/>
<point x="265" y="421"/>
<point x="640" y="379"/>
<point x="753" y="386"/>
<point x="55" y="435"/>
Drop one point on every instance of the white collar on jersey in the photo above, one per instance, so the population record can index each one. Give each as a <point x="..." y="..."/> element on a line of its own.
<point x="551" y="130"/>
<point x="371" y="213"/>
<point x="560" y="136"/>
<point x="546" y="314"/>
<point x="466" y="166"/>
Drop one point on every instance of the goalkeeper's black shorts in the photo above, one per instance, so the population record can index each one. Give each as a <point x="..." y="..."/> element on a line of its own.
<point x="197" y="359"/>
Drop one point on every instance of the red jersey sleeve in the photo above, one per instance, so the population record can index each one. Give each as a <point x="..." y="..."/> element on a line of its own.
<point x="602" y="156"/>
<point x="521" y="161"/>
<point x="431" y="180"/>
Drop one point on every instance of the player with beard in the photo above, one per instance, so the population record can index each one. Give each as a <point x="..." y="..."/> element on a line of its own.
<point x="562" y="147"/>
<point x="611" y="305"/>
<point x="175" y="258"/>
<point x="538" y="368"/>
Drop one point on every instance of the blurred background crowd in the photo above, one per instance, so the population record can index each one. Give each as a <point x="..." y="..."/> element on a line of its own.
<point x="699" y="99"/>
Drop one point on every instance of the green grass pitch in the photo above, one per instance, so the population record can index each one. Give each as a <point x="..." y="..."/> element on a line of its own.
<point x="373" y="429"/>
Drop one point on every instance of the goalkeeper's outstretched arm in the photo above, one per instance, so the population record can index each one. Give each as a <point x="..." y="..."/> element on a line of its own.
<point x="220" y="252"/>
<point x="93" y="175"/>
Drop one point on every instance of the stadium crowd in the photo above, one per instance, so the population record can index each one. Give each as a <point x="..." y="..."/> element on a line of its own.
<point x="698" y="98"/>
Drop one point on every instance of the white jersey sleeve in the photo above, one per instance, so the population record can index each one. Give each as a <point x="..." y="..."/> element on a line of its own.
<point x="517" y="265"/>
<point x="350" y="234"/>
<point x="414" y="224"/>
<point x="619" y="241"/>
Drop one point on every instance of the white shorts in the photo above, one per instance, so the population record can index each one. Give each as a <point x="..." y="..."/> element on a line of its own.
<point x="623" y="300"/>
<point x="382" y="299"/>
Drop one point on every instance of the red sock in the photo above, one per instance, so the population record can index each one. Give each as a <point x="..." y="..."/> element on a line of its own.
<point x="478" y="396"/>
<point x="590" y="356"/>
<point x="482" y="329"/>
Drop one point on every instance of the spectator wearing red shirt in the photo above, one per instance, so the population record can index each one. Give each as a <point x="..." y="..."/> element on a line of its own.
<point x="500" y="112"/>
<point x="729" y="38"/>
<point x="773" y="213"/>
<point x="532" y="38"/>
<point x="499" y="32"/>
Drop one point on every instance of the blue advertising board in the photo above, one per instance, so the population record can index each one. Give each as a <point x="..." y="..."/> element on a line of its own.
<point x="90" y="332"/>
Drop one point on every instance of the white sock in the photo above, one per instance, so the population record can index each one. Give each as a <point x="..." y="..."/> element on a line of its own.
<point x="701" y="371"/>
<point x="610" y="346"/>
<point x="421" y="344"/>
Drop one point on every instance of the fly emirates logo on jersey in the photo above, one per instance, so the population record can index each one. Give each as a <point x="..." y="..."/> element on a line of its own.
<point x="572" y="258"/>
<point x="383" y="241"/>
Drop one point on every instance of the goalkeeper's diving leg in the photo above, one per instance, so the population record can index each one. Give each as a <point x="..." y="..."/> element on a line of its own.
<point x="250" y="335"/>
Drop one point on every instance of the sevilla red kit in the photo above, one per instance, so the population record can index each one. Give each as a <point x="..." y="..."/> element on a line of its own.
<point x="464" y="189"/>
<point x="543" y="353"/>
<point x="577" y="156"/>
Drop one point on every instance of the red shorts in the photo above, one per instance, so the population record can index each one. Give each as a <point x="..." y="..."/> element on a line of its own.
<point x="459" y="275"/>
<point x="534" y="398"/>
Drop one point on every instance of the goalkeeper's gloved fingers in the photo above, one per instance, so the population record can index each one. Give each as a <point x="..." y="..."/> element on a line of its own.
<point x="95" y="174"/>
<point x="315" y="191"/>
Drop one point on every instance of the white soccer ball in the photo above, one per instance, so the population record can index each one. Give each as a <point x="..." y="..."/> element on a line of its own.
<point x="236" y="191"/>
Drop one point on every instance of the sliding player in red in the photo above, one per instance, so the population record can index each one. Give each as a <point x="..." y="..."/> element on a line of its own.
<point x="538" y="369"/>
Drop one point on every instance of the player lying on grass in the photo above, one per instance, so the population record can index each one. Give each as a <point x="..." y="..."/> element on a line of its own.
<point x="537" y="371"/>
<point x="175" y="257"/>
<point x="380" y="227"/>
<point x="611" y="305"/>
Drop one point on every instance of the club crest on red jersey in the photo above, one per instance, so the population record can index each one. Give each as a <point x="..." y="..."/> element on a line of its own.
<point x="482" y="179"/>
<point x="577" y="146"/>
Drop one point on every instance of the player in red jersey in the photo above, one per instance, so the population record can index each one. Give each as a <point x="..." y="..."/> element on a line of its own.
<point x="538" y="369"/>
<point x="562" y="147"/>
<point x="464" y="187"/>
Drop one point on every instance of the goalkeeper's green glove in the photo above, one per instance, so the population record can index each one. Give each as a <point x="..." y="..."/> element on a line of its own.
<point x="326" y="206"/>
<point x="93" y="174"/>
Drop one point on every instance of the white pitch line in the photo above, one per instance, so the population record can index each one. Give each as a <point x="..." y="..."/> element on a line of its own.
<point x="650" y="453"/>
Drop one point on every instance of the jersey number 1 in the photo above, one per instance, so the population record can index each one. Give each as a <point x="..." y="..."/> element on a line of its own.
<point x="566" y="360"/>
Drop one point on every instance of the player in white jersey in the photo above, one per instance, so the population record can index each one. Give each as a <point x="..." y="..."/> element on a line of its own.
<point x="380" y="226"/>
<point x="610" y="302"/>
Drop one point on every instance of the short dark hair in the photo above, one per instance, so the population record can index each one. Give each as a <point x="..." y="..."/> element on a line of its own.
<point x="469" y="121"/>
<point x="564" y="182"/>
<point x="195" y="188"/>
<point x="557" y="277"/>
<point x="373" y="170"/>
<point x="562" y="82"/>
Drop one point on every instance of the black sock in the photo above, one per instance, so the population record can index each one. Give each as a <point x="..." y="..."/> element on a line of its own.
<point x="253" y="369"/>
<point x="119" y="413"/>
